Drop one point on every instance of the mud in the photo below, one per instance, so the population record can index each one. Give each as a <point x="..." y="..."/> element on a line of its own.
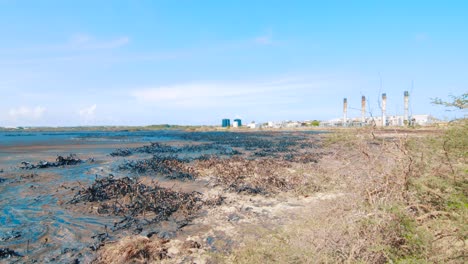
<point x="137" y="203"/>
<point x="158" y="185"/>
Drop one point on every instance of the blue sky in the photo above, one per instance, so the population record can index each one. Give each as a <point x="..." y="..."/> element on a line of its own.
<point x="65" y="63"/>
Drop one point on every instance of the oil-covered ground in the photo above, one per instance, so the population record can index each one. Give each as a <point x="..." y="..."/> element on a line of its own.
<point x="74" y="197"/>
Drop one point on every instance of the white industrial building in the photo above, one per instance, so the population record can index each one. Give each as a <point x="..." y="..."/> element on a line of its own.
<point x="382" y="120"/>
<point x="392" y="120"/>
<point x="253" y="125"/>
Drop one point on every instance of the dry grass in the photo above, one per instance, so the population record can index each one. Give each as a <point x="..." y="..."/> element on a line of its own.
<point x="403" y="199"/>
<point x="252" y="176"/>
<point x="406" y="202"/>
<point x="137" y="249"/>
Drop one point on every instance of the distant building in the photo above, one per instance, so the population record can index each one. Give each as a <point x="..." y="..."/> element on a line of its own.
<point x="423" y="120"/>
<point x="253" y="125"/>
<point x="391" y="120"/>
<point x="226" y="123"/>
<point x="237" y="123"/>
<point x="291" y="124"/>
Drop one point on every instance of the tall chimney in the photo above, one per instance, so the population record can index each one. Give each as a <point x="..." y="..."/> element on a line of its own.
<point x="363" y="109"/>
<point x="384" y="109"/>
<point x="406" y="117"/>
<point x="345" y="111"/>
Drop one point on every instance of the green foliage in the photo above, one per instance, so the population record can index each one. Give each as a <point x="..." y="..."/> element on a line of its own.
<point x="315" y="123"/>
<point x="456" y="139"/>
<point x="458" y="102"/>
<point x="439" y="189"/>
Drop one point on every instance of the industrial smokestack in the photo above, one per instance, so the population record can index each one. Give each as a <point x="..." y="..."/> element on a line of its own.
<point x="384" y="109"/>
<point x="345" y="111"/>
<point x="406" y="117"/>
<point x="363" y="109"/>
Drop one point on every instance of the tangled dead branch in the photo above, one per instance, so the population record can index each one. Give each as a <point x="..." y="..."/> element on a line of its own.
<point x="138" y="203"/>
<point x="251" y="176"/>
<point x="6" y="253"/>
<point x="171" y="167"/>
<point x="71" y="159"/>
<point x="137" y="249"/>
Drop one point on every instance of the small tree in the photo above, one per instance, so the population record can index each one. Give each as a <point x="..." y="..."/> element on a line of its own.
<point x="457" y="102"/>
<point x="315" y="123"/>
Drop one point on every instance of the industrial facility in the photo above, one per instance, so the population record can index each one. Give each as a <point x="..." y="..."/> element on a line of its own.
<point x="226" y="122"/>
<point x="366" y="118"/>
<point x="383" y="119"/>
<point x="237" y="123"/>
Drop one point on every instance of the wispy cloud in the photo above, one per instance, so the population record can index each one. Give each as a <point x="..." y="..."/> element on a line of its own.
<point x="74" y="43"/>
<point x="225" y="94"/>
<point x="25" y="113"/>
<point x="265" y="39"/>
<point x="201" y="94"/>
<point x="88" y="42"/>
<point x="88" y="114"/>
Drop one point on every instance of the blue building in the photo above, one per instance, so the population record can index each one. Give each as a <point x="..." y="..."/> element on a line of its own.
<point x="237" y="123"/>
<point x="226" y="123"/>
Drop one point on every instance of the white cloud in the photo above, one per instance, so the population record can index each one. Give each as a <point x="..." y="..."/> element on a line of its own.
<point x="26" y="113"/>
<point x="88" y="113"/>
<point x="222" y="94"/>
<point x="200" y="94"/>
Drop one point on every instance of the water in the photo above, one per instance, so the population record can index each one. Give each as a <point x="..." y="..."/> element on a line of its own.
<point x="36" y="220"/>
<point x="24" y="138"/>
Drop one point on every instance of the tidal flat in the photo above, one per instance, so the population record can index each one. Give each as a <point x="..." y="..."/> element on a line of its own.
<point x="65" y="195"/>
<point x="351" y="195"/>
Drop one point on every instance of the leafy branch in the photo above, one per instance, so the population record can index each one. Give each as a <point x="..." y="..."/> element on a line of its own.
<point x="458" y="102"/>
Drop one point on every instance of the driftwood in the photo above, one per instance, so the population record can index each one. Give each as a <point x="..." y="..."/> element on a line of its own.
<point x="71" y="159"/>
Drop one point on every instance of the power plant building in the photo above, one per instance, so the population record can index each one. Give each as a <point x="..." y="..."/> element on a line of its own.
<point x="226" y="122"/>
<point x="237" y="123"/>
<point x="384" y="119"/>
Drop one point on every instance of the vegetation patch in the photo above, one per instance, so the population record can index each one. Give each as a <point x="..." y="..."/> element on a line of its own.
<point x="137" y="249"/>
<point x="251" y="176"/>
<point x="138" y="203"/>
<point x="170" y="166"/>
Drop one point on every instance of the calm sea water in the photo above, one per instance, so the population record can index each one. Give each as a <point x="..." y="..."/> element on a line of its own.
<point x="25" y="138"/>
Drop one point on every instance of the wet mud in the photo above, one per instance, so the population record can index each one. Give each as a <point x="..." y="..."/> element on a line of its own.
<point x="58" y="207"/>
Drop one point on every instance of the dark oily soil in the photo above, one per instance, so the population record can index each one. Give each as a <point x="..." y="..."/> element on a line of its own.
<point x="138" y="203"/>
<point x="157" y="148"/>
<point x="6" y="253"/>
<point x="171" y="167"/>
<point x="71" y="159"/>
